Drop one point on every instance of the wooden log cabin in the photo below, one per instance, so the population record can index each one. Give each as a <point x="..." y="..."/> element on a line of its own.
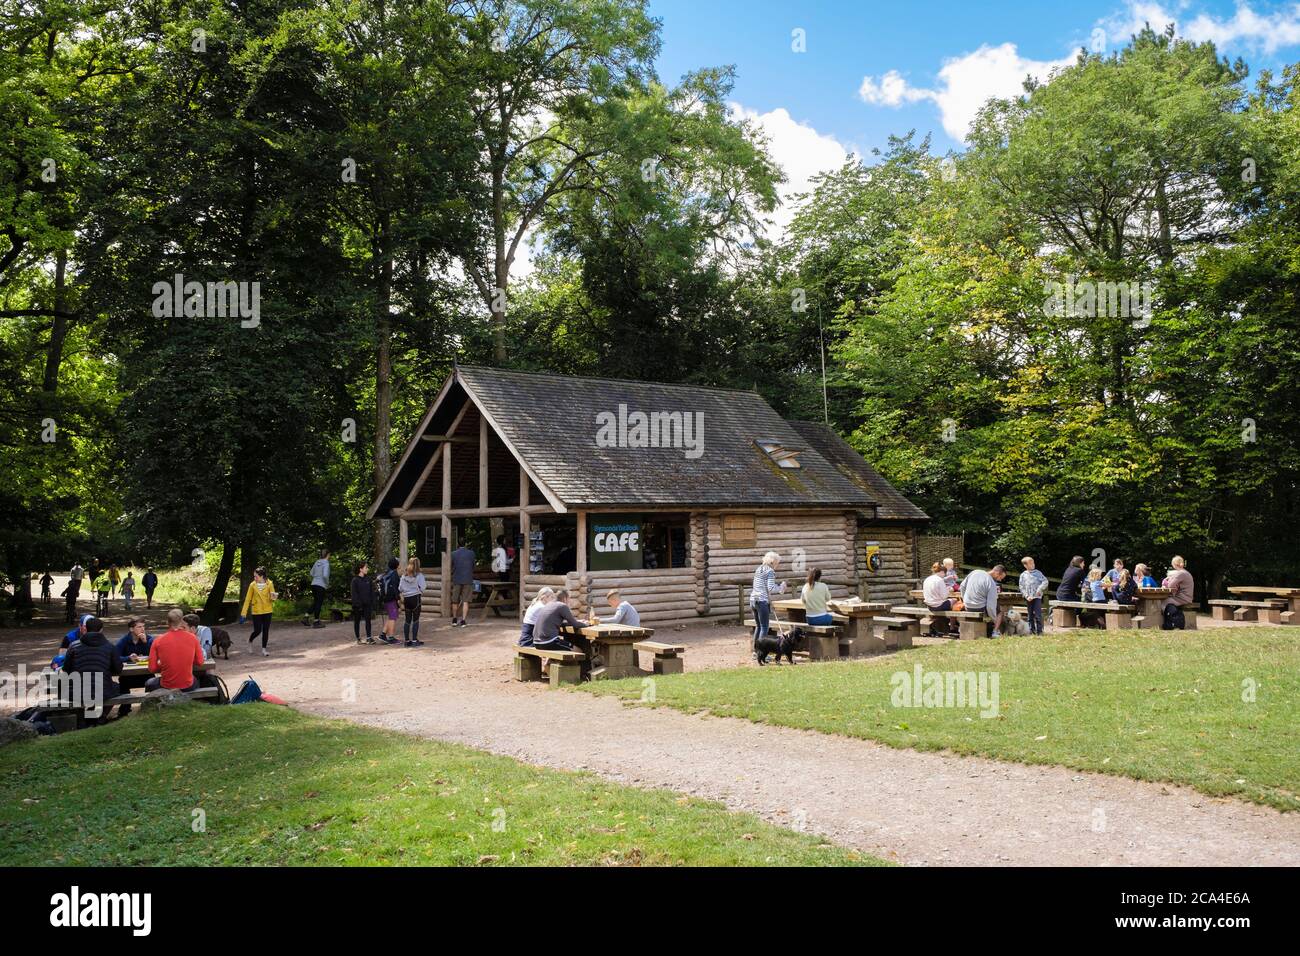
<point x="670" y="493"/>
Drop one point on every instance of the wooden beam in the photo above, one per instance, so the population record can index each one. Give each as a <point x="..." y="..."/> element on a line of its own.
<point x="419" y="485"/>
<point x="401" y="546"/>
<point x="458" y="439"/>
<point x="482" y="463"/>
<point x="445" y="593"/>
<point x="422" y="514"/>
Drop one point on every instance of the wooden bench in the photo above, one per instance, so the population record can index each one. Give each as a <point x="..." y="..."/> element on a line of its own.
<point x="1116" y="617"/>
<point x="971" y="624"/>
<point x="1266" y="612"/>
<point x="565" y="667"/>
<point x="63" y="717"/>
<point x="667" y="657"/>
<point x="896" y="632"/>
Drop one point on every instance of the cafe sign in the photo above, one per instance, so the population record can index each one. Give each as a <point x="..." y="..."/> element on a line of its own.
<point x="614" y="542"/>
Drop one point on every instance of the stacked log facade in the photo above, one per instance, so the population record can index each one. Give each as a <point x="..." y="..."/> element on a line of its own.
<point x="897" y="553"/>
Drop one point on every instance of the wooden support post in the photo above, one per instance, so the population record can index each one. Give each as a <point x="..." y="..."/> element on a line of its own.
<point x="482" y="462"/>
<point x="526" y="548"/>
<point x="581" y="556"/>
<point x="402" y="535"/>
<point x="445" y="593"/>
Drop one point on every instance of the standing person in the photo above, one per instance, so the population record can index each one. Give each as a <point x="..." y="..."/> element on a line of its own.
<point x="260" y="600"/>
<point x="47" y="582"/>
<point x="363" y="601"/>
<point x="114" y="579"/>
<point x="1179" y="580"/>
<point x="979" y="592"/>
<point x="174" y="656"/>
<point x="1033" y="585"/>
<point x="1072" y="580"/>
<point x="150" y="584"/>
<point x="92" y="655"/>
<point x="93" y="572"/>
<point x="70" y="599"/>
<point x="128" y="590"/>
<point x="816" y="597"/>
<point x="760" y="594"/>
<point x="544" y="597"/>
<point x="500" y="558"/>
<point x="390" y="595"/>
<point x="462" y="584"/>
<point x="411" y="589"/>
<point x="320" y="582"/>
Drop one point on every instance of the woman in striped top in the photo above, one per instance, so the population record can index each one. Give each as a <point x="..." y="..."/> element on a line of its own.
<point x="760" y="595"/>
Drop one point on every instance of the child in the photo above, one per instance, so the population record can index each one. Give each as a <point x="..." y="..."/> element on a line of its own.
<point x="1033" y="585"/>
<point x="1096" y="590"/>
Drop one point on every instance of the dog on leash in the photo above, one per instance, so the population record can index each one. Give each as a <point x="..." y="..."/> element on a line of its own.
<point x="220" y="642"/>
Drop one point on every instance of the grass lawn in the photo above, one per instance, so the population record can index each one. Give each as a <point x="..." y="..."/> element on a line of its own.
<point x="1155" y="705"/>
<point x="279" y="787"/>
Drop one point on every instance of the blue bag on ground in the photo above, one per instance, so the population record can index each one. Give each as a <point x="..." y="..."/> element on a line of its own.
<point x="248" y="693"/>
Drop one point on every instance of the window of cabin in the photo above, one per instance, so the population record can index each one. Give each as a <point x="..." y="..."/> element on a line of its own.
<point x="738" y="531"/>
<point x="665" y="541"/>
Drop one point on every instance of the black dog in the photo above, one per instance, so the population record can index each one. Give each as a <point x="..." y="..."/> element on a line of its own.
<point x="220" y="642"/>
<point x="782" y="646"/>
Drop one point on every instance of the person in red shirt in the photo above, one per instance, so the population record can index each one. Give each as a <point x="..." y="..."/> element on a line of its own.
<point x="174" y="656"/>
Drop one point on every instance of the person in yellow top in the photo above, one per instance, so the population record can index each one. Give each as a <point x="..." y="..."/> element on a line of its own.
<point x="260" y="599"/>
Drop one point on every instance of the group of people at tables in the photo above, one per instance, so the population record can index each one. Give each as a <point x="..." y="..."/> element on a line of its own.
<point x="172" y="656"/>
<point x="943" y="590"/>
<point x="549" y="613"/>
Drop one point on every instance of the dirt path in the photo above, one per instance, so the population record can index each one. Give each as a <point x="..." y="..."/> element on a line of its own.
<point x="918" y="808"/>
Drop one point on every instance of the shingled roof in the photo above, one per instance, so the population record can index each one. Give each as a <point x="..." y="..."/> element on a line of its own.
<point x="890" y="505"/>
<point x="550" y="424"/>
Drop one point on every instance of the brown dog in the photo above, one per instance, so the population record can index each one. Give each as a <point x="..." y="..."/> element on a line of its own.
<point x="220" y="642"/>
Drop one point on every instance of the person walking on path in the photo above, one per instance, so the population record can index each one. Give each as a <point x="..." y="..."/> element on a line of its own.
<point x="150" y="583"/>
<point x="462" y="584"/>
<point x="760" y="594"/>
<point x="128" y="591"/>
<point x="114" y="579"/>
<point x="411" y="589"/>
<point x="320" y="582"/>
<point x="260" y="600"/>
<point x="1033" y="585"/>
<point x="47" y="582"/>
<point x="363" y="602"/>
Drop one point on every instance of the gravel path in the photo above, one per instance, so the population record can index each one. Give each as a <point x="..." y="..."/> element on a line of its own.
<point x="916" y="808"/>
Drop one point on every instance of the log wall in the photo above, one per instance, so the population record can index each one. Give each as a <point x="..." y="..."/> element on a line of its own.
<point x="897" y="552"/>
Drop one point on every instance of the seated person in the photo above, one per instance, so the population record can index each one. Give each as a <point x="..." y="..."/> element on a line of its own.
<point x="546" y="631"/>
<point x="937" y="597"/>
<point x="544" y="597"/>
<point x="1096" y="589"/>
<point x="1072" y="581"/>
<point x="1180" y="581"/>
<point x="950" y="574"/>
<point x="135" y="643"/>
<point x="202" y="632"/>
<point x="979" y="592"/>
<point x="1142" y="574"/>
<point x="1125" y="588"/>
<point x="174" y="656"/>
<point x="94" y="655"/>
<point x="72" y="637"/>
<point x="624" y="612"/>
<point x="816" y="598"/>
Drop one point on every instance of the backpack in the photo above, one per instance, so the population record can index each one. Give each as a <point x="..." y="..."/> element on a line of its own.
<point x="389" y="587"/>
<point x="248" y="693"/>
<point x="1172" y="618"/>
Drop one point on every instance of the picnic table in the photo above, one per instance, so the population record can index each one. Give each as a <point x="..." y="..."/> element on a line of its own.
<point x="857" y="618"/>
<point x="614" y="643"/>
<point x="1005" y="598"/>
<point x="500" y="594"/>
<point x="1290" y="595"/>
<point x="135" y="675"/>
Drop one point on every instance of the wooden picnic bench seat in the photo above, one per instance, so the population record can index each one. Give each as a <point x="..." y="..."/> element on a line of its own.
<point x="65" y="717"/>
<point x="896" y="632"/>
<point x="565" y="667"/>
<point x="667" y="657"/>
<point x="1117" y="617"/>
<point x="822" y="641"/>
<point x="970" y="624"/>
<point x="1266" y="612"/>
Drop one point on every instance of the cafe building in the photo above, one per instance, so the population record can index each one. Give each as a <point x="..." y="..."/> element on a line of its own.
<point x="670" y="493"/>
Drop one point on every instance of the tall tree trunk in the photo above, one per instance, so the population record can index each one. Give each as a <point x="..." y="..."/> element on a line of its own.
<point x="217" y="594"/>
<point x="59" y="328"/>
<point x="383" y="542"/>
<point x="501" y="273"/>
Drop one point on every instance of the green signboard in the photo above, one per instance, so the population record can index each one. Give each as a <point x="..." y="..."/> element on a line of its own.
<point x="614" y="542"/>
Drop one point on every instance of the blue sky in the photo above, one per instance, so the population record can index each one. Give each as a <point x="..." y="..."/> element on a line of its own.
<point x="873" y="68"/>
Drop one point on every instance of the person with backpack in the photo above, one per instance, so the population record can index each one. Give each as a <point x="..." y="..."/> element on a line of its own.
<point x="94" y="654"/>
<point x="390" y="595"/>
<point x="363" y="602"/>
<point x="411" y="589"/>
<point x="150" y="583"/>
<point x="1179" y="580"/>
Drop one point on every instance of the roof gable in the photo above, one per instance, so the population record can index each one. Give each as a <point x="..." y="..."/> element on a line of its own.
<point x="890" y="503"/>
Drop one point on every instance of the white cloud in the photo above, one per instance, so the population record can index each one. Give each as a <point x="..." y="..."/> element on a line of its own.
<point x="965" y="83"/>
<point x="798" y="149"/>
<point x="1268" y="32"/>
